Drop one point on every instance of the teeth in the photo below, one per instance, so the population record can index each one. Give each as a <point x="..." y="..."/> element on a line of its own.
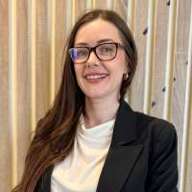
<point x="95" y="76"/>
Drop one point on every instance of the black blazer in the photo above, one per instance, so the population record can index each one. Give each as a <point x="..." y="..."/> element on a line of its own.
<point x="142" y="156"/>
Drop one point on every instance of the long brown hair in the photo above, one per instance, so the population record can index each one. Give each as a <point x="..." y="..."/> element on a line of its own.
<point x="55" y="132"/>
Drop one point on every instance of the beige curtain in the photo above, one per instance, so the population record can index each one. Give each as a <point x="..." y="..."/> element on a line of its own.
<point x="32" y="37"/>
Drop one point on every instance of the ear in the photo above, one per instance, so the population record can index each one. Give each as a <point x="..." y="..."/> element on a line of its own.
<point x="125" y="76"/>
<point x="126" y="70"/>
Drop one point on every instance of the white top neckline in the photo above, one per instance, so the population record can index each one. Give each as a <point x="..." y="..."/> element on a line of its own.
<point x="81" y="170"/>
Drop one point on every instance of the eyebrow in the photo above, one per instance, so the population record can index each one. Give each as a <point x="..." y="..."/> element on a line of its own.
<point x="98" y="42"/>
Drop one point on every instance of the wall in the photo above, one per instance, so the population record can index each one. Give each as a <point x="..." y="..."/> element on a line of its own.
<point x="32" y="37"/>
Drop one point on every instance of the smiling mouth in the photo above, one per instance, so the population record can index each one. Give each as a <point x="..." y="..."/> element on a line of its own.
<point x="95" y="76"/>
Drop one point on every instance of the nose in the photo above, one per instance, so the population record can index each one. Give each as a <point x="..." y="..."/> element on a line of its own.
<point x="92" y="60"/>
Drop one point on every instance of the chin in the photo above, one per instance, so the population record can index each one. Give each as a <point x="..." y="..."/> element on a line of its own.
<point x="95" y="95"/>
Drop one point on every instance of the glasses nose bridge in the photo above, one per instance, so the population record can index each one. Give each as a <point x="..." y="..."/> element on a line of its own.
<point x="93" y="49"/>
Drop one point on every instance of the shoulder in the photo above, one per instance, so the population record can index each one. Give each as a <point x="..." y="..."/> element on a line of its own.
<point x="145" y="126"/>
<point x="159" y="138"/>
<point x="157" y="129"/>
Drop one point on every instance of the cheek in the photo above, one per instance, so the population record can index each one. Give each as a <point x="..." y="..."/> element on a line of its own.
<point x="78" y="74"/>
<point x="124" y="63"/>
<point x="77" y="71"/>
<point x="120" y="64"/>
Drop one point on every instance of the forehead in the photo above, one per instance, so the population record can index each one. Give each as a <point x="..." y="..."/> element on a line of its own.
<point x="97" y="30"/>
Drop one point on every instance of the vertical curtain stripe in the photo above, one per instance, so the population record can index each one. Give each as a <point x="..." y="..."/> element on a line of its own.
<point x="109" y="4"/>
<point x="170" y="59"/>
<point x="13" y="85"/>
<point x="88" y="4"/>
<point x="52" y="24"/>
<point x="32" y="27"/>
<point x="93" y="4"/>
<point x="73" y="11"/>
<point x="187" y="113"/>
<point x="131" y="15"/>
<point x="149" y="55"/>
<point x="131" y="23"/>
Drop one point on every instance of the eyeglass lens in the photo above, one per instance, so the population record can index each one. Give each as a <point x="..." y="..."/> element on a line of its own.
<point x="104" y="52"/>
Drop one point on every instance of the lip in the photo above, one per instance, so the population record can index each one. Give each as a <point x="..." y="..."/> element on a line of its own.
<point x="89" y="74"/>
<point x="95" y="77"/>
<point x="94" y="73"/>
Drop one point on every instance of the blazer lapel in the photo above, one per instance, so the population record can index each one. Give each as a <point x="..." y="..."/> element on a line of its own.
<point x="123" y="151"/>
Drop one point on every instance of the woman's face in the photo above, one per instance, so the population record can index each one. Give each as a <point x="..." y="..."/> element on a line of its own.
<point x="96" y="78"/>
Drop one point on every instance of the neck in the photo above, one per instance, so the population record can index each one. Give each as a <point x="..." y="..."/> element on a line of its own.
<point x="98" y="111"/>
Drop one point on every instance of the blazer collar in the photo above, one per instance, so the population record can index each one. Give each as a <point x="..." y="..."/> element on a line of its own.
<point x="123" y="152"/>
<point x="125" y="125"/>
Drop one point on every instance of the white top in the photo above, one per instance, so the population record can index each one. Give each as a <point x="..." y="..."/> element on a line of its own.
<point x="81" y="170"/>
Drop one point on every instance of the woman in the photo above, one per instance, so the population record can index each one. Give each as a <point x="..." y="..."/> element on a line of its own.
<point x="91" y="140"/>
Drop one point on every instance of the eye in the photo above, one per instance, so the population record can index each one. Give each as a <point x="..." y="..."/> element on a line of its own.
<point x="81" y="52"/>
<point x="106" y="49"/>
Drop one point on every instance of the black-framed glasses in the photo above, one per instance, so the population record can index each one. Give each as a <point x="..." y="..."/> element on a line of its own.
<point x="104" y="52"/>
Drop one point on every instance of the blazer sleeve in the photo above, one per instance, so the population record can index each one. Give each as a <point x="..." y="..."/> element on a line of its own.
<point x="163" y="171"/>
